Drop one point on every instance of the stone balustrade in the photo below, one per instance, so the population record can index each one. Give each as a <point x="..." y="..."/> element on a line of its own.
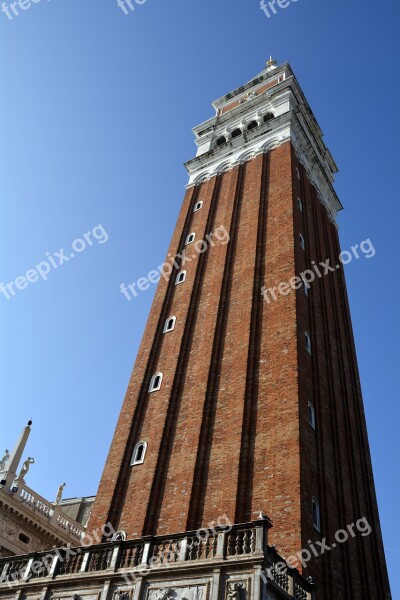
<point x="51" y="513"/>
<point x="242" y="543"/>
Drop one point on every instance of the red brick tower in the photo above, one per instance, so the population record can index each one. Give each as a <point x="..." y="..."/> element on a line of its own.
<point x="256" y="400"/>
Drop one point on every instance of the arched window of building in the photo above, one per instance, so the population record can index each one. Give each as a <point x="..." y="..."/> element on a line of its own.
<point x="139" y="453"/>
<point x="268" y="117"/>
<point x="198" y="206"/>
<point x="316" y="516"/>
<point x="299" y="204"/>
<point x="308" y="342"/>
<point x="155" y="383"/>
<point x="311" y="415"/>
<point x="252" y="125"/>
<point x="169" y="324"/>
<point x="190" y="238"/>
<point x="180" y="278"/>
<point x="236" y="132"/>
<point x="221" y="140"/>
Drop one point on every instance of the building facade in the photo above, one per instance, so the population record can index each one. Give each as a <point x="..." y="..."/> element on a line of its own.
<point x="245" y="397"/>
<point x="29" y="522"/>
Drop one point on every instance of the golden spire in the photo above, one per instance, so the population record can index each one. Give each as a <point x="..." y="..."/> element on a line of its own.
<point x="271" y="62"/>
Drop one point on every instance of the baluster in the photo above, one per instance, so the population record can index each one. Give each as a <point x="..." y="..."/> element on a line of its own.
<point x="214" y="545"/>
<point x="231" y="544"/>
<point x="131" y="557"/>
<point x="207" y="547"/>
<point x="238" y="545"/>
<point x="193" y="549"/>
<point x="200" y="548"/>
<point x="246" y="547"/>
<point x="252" y="540"/>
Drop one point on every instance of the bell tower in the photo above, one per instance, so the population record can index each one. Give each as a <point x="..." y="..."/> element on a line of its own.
<point x="245" y="395"/>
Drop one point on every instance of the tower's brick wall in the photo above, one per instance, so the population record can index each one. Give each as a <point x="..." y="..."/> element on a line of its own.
<point x="228" y="432"/>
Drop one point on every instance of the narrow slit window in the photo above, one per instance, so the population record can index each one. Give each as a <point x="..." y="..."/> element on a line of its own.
<point x="190" y="238"/>
<point x="198" y="206"/>
<point x="306" y="287"/>
<point x="300" y="204"/>
<point x="302" y="242"/>
<point x="139" y="453"/>
<point x="311" y="415"/>
<point x="169" y="324"/>
<point x="155" y="383"/>
<point x="297" y="173"/>
<point x="308" y="342"/>
<point x="180" y="278"/>
<point x="316" y="515"/>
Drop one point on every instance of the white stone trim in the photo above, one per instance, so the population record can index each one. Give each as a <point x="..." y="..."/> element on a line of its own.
<point x="293" y="120"/>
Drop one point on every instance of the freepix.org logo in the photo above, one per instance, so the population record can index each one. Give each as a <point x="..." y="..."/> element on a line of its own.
<point x="12" y="10"/>
<point x="128" y="6"/>
<point x="53" y="261"/>
<point x="269" y="8"/>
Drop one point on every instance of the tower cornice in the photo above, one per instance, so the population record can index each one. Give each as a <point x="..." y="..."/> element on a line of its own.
<point x="291" y="120"/>
<point x="289" y="126"/>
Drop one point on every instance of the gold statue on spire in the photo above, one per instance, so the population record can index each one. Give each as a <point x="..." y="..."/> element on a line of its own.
<point x="271" y="62"/>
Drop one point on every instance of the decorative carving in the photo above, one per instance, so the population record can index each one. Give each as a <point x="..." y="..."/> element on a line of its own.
<point x="60" y="493"/>
<point x="194" y="592"/>
<point x="10" y="530"/>
<point x="4" y="460"/>
<point x="236" y="590"/>
<point x="25" y="468"/>
<point x="122" y="595"/>
<point x="166" y="594"/>
<point x="248" y="97"/>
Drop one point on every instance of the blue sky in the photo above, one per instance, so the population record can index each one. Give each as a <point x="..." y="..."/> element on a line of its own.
<point x="96" y="112"/>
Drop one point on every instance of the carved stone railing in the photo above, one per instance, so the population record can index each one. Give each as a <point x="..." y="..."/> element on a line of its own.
<point x="281" y="579"/>
<point x="199" y="547"/>
<point x="167" y="550"/>
<point x="69" y="563"/>
<point x="99" y="559"/>
<point x="51" y="513"/>
<point x="243" y="542"/>
<point x="288" y="580"/>
<point x="299" y="592"/>
<point x="131" y="555"/>
<point x="13" y="569"/>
